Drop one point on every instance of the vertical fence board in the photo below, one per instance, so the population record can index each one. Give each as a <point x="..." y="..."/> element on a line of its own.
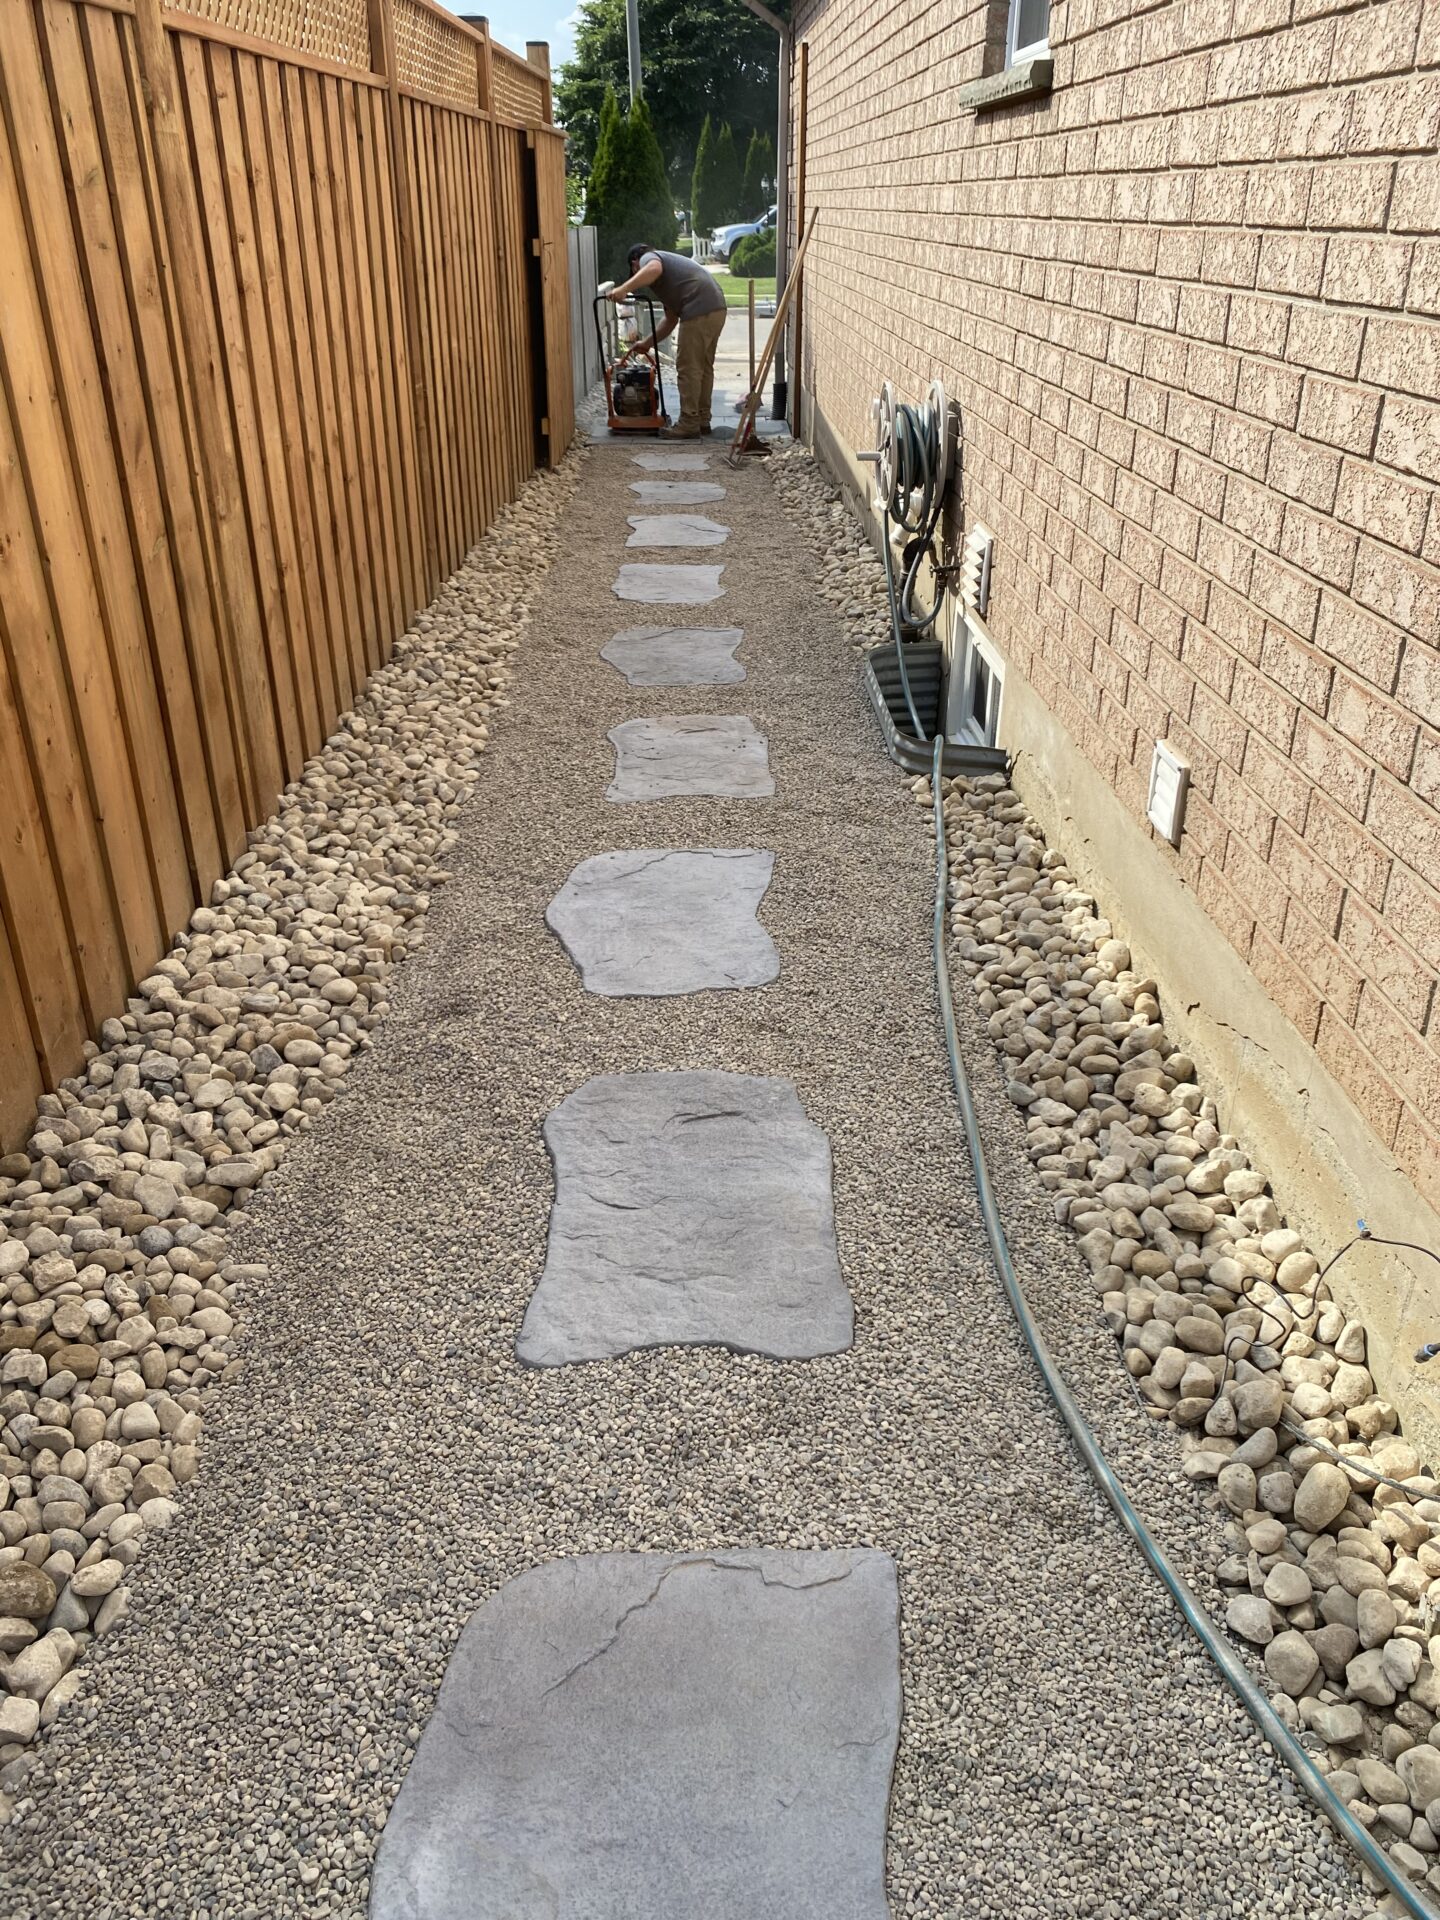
<point x="130" y="179"/>
<point x="271" y="133"/>
<point x="271" y="364"/>
<point x="337" y="532"/>
<point x="50" y="346"/>
<point x="276" y="370"/>
<point x="555" y="287"/>
<point x="46" y="750"/>
<point x="141" y="496"/>
<point x="379" y="632"/>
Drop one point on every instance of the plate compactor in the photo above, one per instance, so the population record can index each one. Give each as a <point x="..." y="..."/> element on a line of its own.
<point x="634" y="385"/>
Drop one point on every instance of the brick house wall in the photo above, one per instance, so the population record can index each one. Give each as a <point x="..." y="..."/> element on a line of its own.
<point x="1189" y="302"/>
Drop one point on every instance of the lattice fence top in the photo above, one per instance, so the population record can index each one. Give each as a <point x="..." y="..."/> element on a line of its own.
<point x="434" y="56"/>
<point x="519" y="87"/>
<point x="336" y="30"/>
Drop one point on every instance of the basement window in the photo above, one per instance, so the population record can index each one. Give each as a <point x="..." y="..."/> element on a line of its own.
<point x="1028" y="35"/>
<point x="979" y="683"/>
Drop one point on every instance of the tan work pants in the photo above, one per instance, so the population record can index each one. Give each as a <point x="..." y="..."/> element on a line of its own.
<point x="695" y="365"/>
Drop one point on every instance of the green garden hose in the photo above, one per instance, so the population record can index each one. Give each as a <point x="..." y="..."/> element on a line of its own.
<point x="1251" y="1696"/>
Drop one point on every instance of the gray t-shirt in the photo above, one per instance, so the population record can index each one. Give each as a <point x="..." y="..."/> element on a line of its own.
<point x="682" y="288"/>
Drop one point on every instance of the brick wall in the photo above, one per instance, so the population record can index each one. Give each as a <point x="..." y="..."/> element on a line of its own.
<point x="1190" y="305"/>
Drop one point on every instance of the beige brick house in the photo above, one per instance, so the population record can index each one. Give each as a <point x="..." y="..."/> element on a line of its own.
<point x="1179" y="264"/>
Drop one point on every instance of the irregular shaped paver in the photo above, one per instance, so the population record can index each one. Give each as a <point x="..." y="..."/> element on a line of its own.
<point x="717" y="753"/>
<point x="644" y="1736"/>
<point x="665" y="462"/>
<point x="655" y="922"/>
<point x="675" y="530"/>
<point x="676" y="493"/>
<point x="669" y="586"/>
<point x="676" y="656"/>
<point x="690" y="1208"/>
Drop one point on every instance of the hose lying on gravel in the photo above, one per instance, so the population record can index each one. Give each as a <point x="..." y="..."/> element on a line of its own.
<point x="1251" y="1696"/>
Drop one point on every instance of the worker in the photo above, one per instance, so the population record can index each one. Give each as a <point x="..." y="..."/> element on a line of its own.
<point x="692" y="301"/>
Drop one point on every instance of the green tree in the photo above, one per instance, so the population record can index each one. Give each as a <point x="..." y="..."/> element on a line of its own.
<point x="728" y="179"/>
<point x="757" y="192"/>
<point x="604" y="161"/>
<point x="629" y="197"/>
<point x="705" y="211"/>
<point x="700" y="56"/>
<point x="652" y="208"/>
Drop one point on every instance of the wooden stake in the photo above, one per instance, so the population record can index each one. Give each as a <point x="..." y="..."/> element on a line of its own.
<point x="801" y="145"/>
<point x="745" y="431"/>
<point x="751" y="387"/>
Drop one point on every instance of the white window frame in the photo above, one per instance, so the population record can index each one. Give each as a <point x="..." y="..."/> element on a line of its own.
<point x="1036" y="50"/>
<point x="973" y="645"/>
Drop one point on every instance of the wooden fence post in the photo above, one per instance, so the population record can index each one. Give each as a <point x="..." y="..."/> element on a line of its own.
<point x="219" y="478"/>
<point x="537" y="52"/>
<point x="486" y="64"/>
<point x="383" y="62"/>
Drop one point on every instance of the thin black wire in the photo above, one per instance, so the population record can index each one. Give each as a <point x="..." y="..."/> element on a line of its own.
<point x="1311" y="1289"/>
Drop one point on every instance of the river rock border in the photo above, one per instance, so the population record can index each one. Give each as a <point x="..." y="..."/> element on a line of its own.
<point x="121" y="1312"/>
<point x="1223" y="1322"/>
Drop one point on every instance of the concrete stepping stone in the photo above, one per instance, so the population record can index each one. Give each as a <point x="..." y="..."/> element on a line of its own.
<point x="676" y="656"/>
<point x="635" y="1736"/>
<point x="688" y="753"/>
<point x="675" y="530"/>
<point x="669" y="586"/>
<point x="663" y="461"/>
<point x="649" y="921"/>
<point x="690" y="1209"/>
<point x="676" y="493"/>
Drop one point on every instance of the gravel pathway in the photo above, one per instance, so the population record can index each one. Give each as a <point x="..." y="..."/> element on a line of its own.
<point x="385" y="1464"/>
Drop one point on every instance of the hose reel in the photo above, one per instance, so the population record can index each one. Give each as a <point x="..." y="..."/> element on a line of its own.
<point x="914" y="450"/>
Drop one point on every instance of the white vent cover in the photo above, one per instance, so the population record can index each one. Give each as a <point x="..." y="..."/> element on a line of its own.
<point x="1169" y="782"/>
<point x="975" y="569"/>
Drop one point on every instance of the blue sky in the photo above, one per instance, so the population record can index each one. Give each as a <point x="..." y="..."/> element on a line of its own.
<point x="516" y="21"/>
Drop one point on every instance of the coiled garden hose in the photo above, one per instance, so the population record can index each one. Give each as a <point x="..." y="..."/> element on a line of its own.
<point x="912" y="470"/>
<point x="1251" y="1696"/>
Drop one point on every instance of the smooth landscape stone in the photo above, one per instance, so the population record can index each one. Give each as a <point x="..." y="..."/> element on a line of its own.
<point x="676" y="493"/>
<point x="669" y="586"/>
<point x="662" y="461"/>
<point x="676" y="656"/>
<point x="690" y="1209"/>
<point x="648" y="921"/>
<point x="676" y="530"/>
<point x="688" y="753"/>
<point x="635" y="1736"/>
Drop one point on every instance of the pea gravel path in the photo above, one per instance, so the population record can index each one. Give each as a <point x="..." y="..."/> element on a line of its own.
<point x="386" y="1463"/>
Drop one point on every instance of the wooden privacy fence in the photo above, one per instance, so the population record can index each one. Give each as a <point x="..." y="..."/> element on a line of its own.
<point x="284" y="322"/>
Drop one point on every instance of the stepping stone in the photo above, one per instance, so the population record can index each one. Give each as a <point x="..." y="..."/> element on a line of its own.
<point x="669" y="586"/>
<point x="676" y="656"/>
<point x="690" y="753"/>
<point x="690" y="1209"/>
<point x="665" y="462"/>
<point x="676" y="493"/>
<point x="654" y="922"/>
<point x="635" y="1736"/>
<point x="676" y="530"/>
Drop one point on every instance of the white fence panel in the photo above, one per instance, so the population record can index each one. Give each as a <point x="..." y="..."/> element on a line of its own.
<point x="583" y="247"/>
